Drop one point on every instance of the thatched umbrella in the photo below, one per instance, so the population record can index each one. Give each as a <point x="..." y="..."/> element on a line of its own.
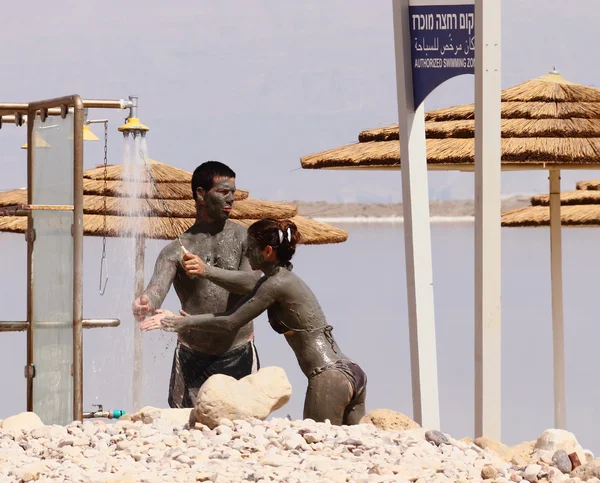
<point x="312" y="232"/>
<point x="164" y="218"/>
<point x="548" y="123"/>
<point x="579" y="208"/>
<point x="159" y="205"/>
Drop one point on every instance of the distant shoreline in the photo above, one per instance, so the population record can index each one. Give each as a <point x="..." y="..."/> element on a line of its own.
<point x="392" y="219"/>
<point x="453" y="211"/>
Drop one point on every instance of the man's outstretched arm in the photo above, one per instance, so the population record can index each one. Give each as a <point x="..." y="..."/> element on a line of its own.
<point x="160" y="283"/>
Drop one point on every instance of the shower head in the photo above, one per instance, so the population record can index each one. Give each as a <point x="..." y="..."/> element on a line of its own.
<point x="133" y="125"/>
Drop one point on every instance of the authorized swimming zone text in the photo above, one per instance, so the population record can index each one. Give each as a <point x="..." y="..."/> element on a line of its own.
<point x="439" y="63"/>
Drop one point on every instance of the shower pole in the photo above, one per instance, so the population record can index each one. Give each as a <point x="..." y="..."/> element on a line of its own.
<point x="138" y="347"/>
<point x="135" y="128"/>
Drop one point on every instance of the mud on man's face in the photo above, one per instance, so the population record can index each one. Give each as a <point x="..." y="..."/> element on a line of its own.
<point x="218" y="201"/>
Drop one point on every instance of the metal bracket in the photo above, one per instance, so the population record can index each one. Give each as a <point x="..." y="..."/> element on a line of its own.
<point x="13" y="210"/>
<point x="29" y="371"/>
<point x="30" y="235"/>
<point x="24" y="210"/>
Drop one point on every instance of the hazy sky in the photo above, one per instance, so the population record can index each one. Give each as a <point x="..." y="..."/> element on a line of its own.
<point x="260" y="83"/>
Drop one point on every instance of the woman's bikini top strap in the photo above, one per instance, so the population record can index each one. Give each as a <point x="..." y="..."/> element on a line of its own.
<point x="279" y="326"/>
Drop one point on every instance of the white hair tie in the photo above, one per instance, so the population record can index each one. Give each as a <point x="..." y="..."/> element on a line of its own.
<point x="288" y="232"/>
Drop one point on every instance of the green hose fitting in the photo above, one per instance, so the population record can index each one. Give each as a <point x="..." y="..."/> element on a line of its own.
<point x="101" y="413"/>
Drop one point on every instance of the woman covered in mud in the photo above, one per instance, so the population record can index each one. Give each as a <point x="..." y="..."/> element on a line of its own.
<point x="336" y="385"/>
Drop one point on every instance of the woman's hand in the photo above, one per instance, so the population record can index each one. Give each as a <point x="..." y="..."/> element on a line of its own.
<point x="194" y="265"/>
<point x="154" y="322"/>
<point x="175" y="324"/>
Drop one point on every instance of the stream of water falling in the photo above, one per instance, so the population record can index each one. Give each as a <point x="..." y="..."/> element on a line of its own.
<point x="135" y="151"/>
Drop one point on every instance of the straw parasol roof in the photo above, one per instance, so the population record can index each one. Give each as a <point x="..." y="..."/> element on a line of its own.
<point x="172" y="183"/>
<point x="592" y="184"/>
<point x="534" y="216"/>
<point x="577" y="197"/>
<point x="156" y="218"/>
<point x="312" y="232"/>
<point x="547" y="121"/>
<point x="580" y="207"/>
<point x="185" y="208"/>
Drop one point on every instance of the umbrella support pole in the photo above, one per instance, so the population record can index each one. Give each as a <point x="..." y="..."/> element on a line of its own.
<point x="138" y="341"/>
<point x="558" y="332"/>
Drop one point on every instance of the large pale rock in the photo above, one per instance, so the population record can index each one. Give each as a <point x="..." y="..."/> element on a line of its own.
<point x="389" y="420"/>
<point x="551" y="440"/>
<point x="522" y="452"/>
<point x="25" y="421"/>
<point x="495" y="446"/>
<point x="174" y="416"/>
<point x="254" y="396"/>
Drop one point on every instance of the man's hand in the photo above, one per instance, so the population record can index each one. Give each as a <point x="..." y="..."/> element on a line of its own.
<point x="194" y="265"/>
<point x="154" y="322"/>
<point x="142" y="306"/>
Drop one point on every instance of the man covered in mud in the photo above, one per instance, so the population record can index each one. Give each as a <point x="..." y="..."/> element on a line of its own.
<point x="221" y="243"/>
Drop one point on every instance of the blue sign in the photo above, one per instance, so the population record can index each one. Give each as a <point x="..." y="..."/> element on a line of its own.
<point x="442" y="45"/>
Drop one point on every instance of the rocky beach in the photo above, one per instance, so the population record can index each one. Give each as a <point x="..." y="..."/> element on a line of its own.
<point x="228" y="437"/>
<point x="160" y="445"/>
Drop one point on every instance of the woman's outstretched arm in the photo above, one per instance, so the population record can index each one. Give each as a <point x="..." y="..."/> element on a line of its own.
<point x="240" y="281"/>
<point x="255" y="303"/>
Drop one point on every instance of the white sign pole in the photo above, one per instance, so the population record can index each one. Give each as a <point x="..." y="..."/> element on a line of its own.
<point x="487" y="219"/>
<point x="417" y="234"/>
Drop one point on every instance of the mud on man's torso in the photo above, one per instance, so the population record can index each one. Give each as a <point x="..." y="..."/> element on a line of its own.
<point x="200" y="296"/>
